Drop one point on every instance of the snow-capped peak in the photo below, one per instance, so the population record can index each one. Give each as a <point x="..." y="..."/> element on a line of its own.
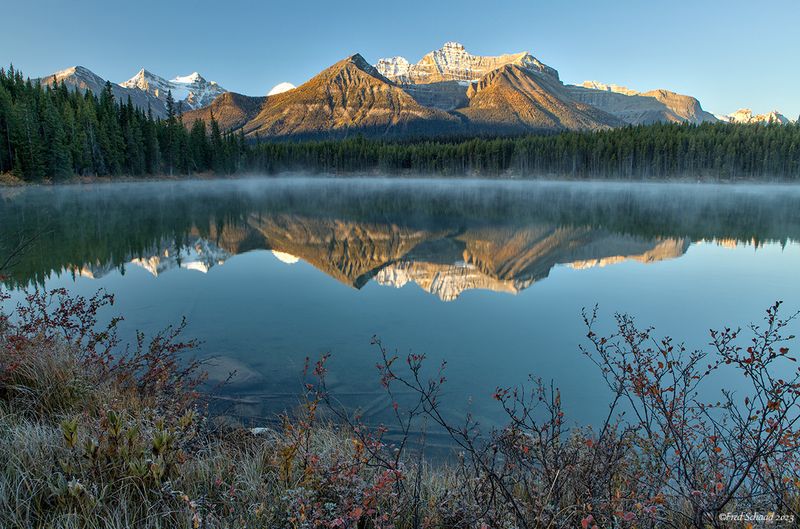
<point x="281" y="88"/>
<point x="393" y="67"/>
<point x="188" y="79"/>
<point x="745" y="115"/>
<point x="453" y="45"/>
<point x="192" y="90"/>
<point x="147" y="81"/>
<point x="452" y="62"/>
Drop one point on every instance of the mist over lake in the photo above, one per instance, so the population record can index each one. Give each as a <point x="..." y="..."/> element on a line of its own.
<point x="490" y="276"/>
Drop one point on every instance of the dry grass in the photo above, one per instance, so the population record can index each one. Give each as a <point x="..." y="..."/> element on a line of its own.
<point x="90" y="440"/>
<point x="87" y="441"/>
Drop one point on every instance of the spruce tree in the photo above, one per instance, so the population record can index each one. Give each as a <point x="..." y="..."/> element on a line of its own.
<point x="6" y="119"/>
<point x="58" y="157"/>
<point x="169" y="145"/>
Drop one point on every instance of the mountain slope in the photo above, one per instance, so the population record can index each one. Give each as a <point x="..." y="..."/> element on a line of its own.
<point x="231" y="110"/>
<point x="349" y="96"/>
<point x="641" y="108"/>
<point x="517" y="94"/>
<point x="449" y="92"/>
<point x="503" y="94"/>
<point x="515" y="98"/>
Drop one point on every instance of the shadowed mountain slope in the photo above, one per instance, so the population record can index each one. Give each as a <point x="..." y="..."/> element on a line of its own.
<point x="231" y="110"/>
<point x="641" y="108"/>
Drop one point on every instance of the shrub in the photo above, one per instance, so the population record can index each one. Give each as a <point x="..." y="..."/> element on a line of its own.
<point x="115" y="422"/>
<point x="97" y="434"/>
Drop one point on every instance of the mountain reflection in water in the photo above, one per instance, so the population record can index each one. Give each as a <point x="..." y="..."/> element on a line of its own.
<point x="446" y="237"/>
<point x="302" y="267"/>
<point x="443" y="264"/>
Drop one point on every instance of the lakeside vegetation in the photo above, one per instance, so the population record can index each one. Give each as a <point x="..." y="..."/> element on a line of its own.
<point x="54" y="134"/>
<point x="94" y="438"/>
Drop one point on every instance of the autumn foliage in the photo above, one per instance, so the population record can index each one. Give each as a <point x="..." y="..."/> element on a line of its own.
<point x="97" y="433"/>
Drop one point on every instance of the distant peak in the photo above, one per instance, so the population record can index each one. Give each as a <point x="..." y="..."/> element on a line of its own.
<point x="142" y="80"/>
<point x="77" y="71"/>
<point x="143" y="73"/>
<point x="188" y="79"/>
<point x="452" y="45"/>
<point x="68" y="71"/>
<point x="746" y="115"/>
<point x="597" y="85"/>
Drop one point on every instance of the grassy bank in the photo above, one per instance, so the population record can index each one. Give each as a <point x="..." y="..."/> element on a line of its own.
<point x="97" y="434"/>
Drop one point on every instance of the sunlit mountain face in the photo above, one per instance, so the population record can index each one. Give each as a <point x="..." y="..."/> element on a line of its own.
<point x="445" y="239"/>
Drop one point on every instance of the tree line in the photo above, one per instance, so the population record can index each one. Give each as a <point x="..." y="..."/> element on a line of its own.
<point x="52" y="132"/>
<point x="659" y="151"/>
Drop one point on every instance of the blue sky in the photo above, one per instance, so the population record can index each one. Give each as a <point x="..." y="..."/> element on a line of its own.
<point x="729" y="54"/>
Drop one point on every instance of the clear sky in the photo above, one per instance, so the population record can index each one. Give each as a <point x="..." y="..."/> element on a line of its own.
<point x="728" y="53"/>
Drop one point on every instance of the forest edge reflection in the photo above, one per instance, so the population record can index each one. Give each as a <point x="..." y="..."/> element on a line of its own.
<point x="447" y="237"/>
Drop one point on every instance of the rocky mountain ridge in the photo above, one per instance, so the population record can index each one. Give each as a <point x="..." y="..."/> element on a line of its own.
<point x="448" y="92"/>
<point x="83" y="79"/>
<point x="352" y="96"/>
<point x="641" y="108"/>
<point x="452" y="62"/>
<point x="745" y="115"/>
<point x="146" y="90"/>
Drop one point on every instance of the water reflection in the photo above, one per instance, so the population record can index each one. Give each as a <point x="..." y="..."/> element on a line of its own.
<point x="494" y="274"/>
<point x="445" y="237"/>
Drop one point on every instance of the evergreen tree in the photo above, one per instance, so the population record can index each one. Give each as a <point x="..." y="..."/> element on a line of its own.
<point x="58" y="156"/>
<point x="217" y="147"/>
<point x="152" y="152"/>
<point x="169" y="145"/>
<point x="6" y="125"/>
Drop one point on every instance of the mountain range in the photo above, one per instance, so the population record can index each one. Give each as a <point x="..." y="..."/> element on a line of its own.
<point x="447" y="92"/>
<point x="192" y="90"/>
<point x="146" y="90"/>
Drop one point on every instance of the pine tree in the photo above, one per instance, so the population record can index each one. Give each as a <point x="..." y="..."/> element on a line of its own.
<point x="6" y="117"/>
<point x="58" y="156"/>
<point x="217" y="147"/>
<point x="169" y="146"/>
<point x="152" y="153"/>
<point x="29" y="162"/>
<point x="198" y="147"/>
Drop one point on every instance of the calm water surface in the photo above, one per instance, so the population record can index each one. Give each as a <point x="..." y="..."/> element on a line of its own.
<point x="491" y="276"/>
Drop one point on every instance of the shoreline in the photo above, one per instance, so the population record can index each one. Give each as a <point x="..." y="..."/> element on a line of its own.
<point x="10" y="181"/>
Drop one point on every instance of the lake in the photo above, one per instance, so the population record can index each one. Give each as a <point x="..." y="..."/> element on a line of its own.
<point x="489" y="275"/>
